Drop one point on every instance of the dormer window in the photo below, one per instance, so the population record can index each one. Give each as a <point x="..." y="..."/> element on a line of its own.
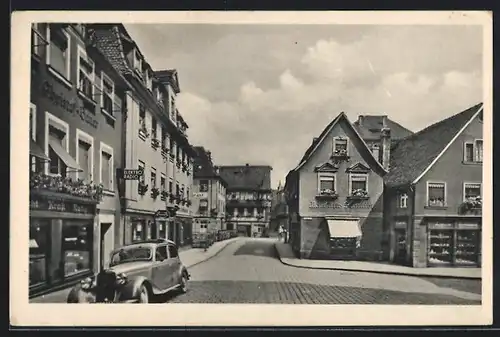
<point x="403" y="200"/>
<point x="172" y="107"/>
<point x="159" y="95"/>
<point x="340" y="146"/>
<point x="137" y="61"/>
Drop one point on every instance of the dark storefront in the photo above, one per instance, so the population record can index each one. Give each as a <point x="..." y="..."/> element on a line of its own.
<point x="61" y="244"/>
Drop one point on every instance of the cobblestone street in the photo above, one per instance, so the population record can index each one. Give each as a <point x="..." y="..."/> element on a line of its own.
<point x="247" y="271"/>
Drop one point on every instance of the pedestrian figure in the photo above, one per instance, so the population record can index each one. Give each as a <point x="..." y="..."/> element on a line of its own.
<point x="280" y="232"/>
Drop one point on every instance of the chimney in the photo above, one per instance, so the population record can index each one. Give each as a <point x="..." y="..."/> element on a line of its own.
<point x="360" y="120"/>
<point x="385" y="144"/>
<point x="209" y="155"/>
<point x="314" y="140"/>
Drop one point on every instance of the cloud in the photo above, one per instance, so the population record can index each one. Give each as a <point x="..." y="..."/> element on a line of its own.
<point x="257" y="98"/>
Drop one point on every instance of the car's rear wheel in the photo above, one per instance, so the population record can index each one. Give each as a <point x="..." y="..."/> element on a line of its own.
<point x="184" y="284"/>
<point x="143" y="294"/>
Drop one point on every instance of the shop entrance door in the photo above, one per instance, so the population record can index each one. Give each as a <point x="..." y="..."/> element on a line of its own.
<point x="400" y="251"/>
<point x="104" y="249"/>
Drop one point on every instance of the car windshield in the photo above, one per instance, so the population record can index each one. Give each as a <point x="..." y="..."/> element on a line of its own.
<point x="131" y="254"/>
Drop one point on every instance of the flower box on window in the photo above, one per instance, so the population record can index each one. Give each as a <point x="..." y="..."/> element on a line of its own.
<point x="188" y="172"/>
<point x="185" y="166"/>
<point x="172" y="196"/>
<point x="189" y="202"/>
<point x="472" y="204"/>
<point x="358" y="194"/>
<point x="327" y="194"/>
<point x="172" y="155"/>
<point x="436" y="202"/>
<point x="155" y="143"/>
<point x="58" y="184"/>
<point x="340" y="154"/>
<point x="164" y="151"/>
<point x="142" y="188"/>
<point x="155" y="191"/>
<point x="178" y="164"/>
<point x="164" y="195"/>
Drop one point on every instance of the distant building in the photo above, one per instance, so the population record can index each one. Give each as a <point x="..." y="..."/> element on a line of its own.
<point x="433" y="194"/>
<point x="279" y="210"/>
<point x="209" y="194"/>
<point x="335" y="195"/>
<point x="248" y="197"/>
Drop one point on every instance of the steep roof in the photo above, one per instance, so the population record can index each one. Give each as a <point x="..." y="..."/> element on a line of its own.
<point x="318" y="140"/>
<point x="108" y="41"/>
<point x="203" y="166"/>
<point x="247" y="177"/>
<point x="412" y="156"/>
<point x="369" y="126"/>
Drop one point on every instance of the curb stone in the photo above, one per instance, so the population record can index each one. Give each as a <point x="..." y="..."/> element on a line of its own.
<point x="214" y="255"/>
<point x="377" y="271"/>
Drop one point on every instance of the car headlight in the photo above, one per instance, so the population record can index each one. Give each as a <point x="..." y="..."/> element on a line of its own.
<point x="121" y="278"/>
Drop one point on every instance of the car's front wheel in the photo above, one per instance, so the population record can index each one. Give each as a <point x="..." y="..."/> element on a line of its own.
<point x="143" y="294"/>
<point x="184" y="284"/>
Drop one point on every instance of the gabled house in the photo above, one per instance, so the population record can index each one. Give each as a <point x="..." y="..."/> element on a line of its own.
<point x="335" y="196"/>
<point x="248" y="196"/>
<point x="433" y="193"/>
<point x="209" y="194"/>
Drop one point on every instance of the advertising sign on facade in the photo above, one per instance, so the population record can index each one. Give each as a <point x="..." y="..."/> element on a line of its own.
<point x="201" y="195"/>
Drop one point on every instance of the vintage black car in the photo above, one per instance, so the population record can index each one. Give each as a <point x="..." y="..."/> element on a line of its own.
<point x="136" y="273"/>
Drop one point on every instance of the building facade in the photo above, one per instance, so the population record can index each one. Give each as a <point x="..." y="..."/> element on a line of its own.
<point x="279" y="210"/>
<point x="154" y="140"/>
<point x="75" y="127"/>
<point x="434" y="194"/>
<point x="209" y="194"/>
<point x="248" y="198"/>
<point x="335" y="196"/>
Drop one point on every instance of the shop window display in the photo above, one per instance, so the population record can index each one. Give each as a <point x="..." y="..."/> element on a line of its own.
<point x="467" y="247"/>
<point x="77" y="248"/>
<point x="39" y="246"/>
<point x="441" y="246"/>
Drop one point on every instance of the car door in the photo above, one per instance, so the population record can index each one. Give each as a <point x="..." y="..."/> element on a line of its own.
<point x="160" y="268"/>
<point x="175" y="263"/>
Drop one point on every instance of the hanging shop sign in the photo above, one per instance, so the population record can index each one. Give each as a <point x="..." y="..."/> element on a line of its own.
<point x="69" y="105"/>
<point x="130" y="174"/>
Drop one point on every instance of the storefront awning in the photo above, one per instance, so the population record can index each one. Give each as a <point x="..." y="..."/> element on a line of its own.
<point x="65" y="156"/>
<point x="344" y="228"/>
<point x="36" y="151"/>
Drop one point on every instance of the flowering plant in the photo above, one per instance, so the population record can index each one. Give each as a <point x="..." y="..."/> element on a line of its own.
<point x="155" y="191"/>
<point x="327" y="191"/>
<point x="472" y="203"/>
<point x="164" y="195"/>
<point x="189" y="203"/>
<point x="340" y="152"/>
<point x="155" y="143"/>
<point x="359" y="193"/>
<point x="142" y="188"/>
<point x="66" y="185"/>
<point x="143" y="130"/>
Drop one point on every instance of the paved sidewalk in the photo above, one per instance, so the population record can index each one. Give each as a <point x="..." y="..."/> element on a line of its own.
<point x="287" y="257"/>
<point x="190" y="257"/>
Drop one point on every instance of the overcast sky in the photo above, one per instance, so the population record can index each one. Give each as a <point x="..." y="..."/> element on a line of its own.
<point x="258" y="94"/>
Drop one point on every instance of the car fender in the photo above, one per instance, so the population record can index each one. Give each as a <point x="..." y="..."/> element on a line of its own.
<point x="183" y="271"/>
<point x="131" y="289"/>
<point x="78" y="295"/>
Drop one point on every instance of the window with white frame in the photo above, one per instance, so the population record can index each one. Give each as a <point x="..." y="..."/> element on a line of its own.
<point x="106" y="167"/>
<point x="376" y="151"/>
<point x="358" y="183"/>
<point x="163" y="137"/>
<point x="108" y="94"/>
<point x="326" y="184"/>
<point x="142" y="166"/>
<point x="38" y="38"/>
<point x="56" y="131"/>
<point x="471" y="191"/>
<point x="340" y="146"/>
<point x="33" y="132"/>
<point x="473" y="151"/>
<point x="159" y="95"/>
<point x="163" y="181"/>
<point x="436" y="194"/>
<point x="154" y="128"/>
<point x="153" y="177"/>
<point x="478" y="145"/>
<point x="58" y="53"/>
<point x="85" y="73"/>
<point x="403" y="200"/>
<point x="85" y="155"/>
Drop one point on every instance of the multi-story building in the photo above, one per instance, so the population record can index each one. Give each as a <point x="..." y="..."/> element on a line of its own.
<point x="75" y="127"/>
<point x="433" y="193"/>
<point x="248" y="200"/>
<point x="209" y="194"/>
<point x="279" y="210"/>
<point x="335" y="195"/>
<point x="154" y="140"/>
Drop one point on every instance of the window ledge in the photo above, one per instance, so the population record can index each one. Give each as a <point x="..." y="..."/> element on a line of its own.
<point x="436" y="207"/>
<point x="108" y="193"/>
<point x="472" y="162"/>
<point x="60" y="77"/>
<point x="108" y="115"/>
<point x="86" y="98"/>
